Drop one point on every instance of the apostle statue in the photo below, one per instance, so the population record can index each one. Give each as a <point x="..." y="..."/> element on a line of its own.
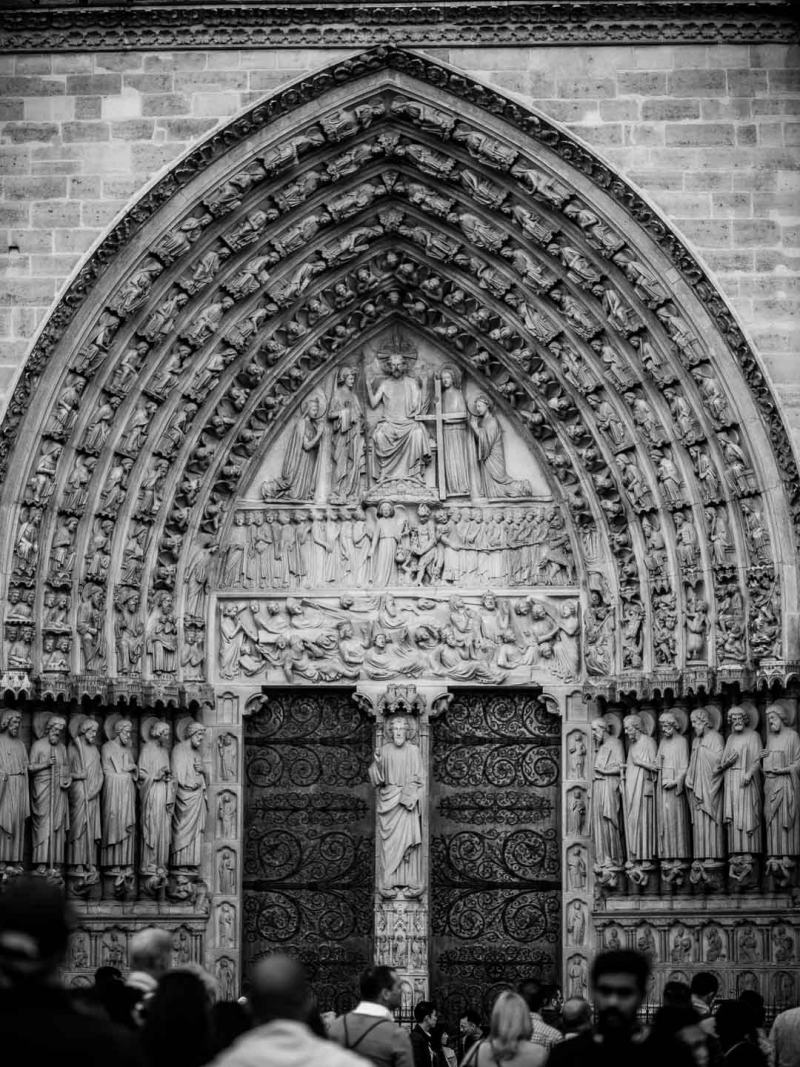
<point x="119" y="801"/>
<point x="400" y="443"/>
<point x="86" y="771"/>
<point x="347" y="441"/>
<point x="396" y="772"/>
<point x="704" y="789"/>
<point x="191" y="802"/>
<point x="50" y="780"/>
<point x="741" y="764"/>
<point x="672" y="816"/>
<point x="606" y="812"/>
<point x="494" y="481"/>
<point x="781" y="766"/>
<point x="639" y="799"/>
<point x="156" y="796"/>
<point x="14" y="798"/>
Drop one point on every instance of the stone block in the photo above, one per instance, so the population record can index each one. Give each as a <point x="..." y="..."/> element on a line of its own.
<point x="746" y="82"/>
<point x="54" y="213"/>
<point x="775" y="55"/>
<point x="708" y="179"/>
<point x="73" y="63"/>
<point x="147" y="159"/>
<point x="94" y="84"/>
<point x="756" y="232"/>
<point x="25" y="321"/>
<point x="654" y="57"/>
<point x="684" y="205"/>
<point x="29" y="241"/>
<point x="33" y="64"/>
<point x="15" y="160"/>
<point x="127" y="105"/>
<point x="600" y="136"/>
<point x="223" y="60"/>
<point x="699" y="134"/>
<point x="770" y="133"/>
<point x="707" y="233"/>
<point x="49" y="108"/>
<point x="215" y="104"/>
<point x="595" y="88"/>
<point x="662" y="179"/>
<point x="132" y="130"/>
<point x="696" y="83"/>
<point x="784" y="81"/>
<point x="52" y="187"/>
<point x="209" y="81"/>
<point x="30" y="86"/>
<point x="186" y="129"/>
<point x="746" y="135"/>
<point x="666" y="110"/>
<point x="258" y="58"/>
<point x="732" y="205"/>
<point x="646" y="134"/>
<point x="19" y="132"/>
<point x="53" y="265"/>
<point x="100" y="213"/>
<point x="265" y="81"/>
<point x="56" y="166"/>
<point x="119" y="61"/>
<point x="97" y="159"/>
<point x="619" y="110"/>
<point x="84" y="187"/>
<point x="74" y="240"/>
<point x="737" y="107"/>
<point x="791" y="133"/>
<point x="168" y="62"/>
<point x="148" y="83"/>
<point x="734" y="261"/>
<point x="88" y="107"/>
<point x="85" y="131"/>
<point x="571" y="110"/>
<point x="16" y="291"/>
<point x="120" y="188"/>
<point x="691" y="55"/>
<point x="11" y="110"/>
<point x="755" y="180"/>
<point x="642" y="83"/>
<point x="14" y="214"/>
<point x="156" y="104"/>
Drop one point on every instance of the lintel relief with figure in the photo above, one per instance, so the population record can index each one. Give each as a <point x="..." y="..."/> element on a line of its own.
<point x="397" y="478"/>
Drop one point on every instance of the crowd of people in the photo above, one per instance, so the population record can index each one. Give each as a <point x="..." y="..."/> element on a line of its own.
<point x="164" y="1016"/>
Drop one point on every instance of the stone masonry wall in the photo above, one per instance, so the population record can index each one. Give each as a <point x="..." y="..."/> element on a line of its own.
<point x="711" y="134"/>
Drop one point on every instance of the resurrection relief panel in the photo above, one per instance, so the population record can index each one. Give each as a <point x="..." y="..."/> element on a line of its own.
<point x="308" y="839"/>
<point x="495" y="848"/>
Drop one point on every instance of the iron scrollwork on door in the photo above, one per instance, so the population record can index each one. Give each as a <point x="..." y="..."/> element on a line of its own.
<point x="495" y="847"/>
<point x="308" y="849"/>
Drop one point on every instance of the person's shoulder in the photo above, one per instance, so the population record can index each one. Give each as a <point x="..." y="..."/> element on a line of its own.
<point x="530" y="1054"/>
<point x="576" y="1051"/>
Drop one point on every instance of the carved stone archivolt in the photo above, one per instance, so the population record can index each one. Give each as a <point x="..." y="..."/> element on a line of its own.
<point x="502" y="247"/>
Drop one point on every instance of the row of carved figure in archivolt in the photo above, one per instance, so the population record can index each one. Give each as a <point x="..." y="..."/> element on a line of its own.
<point x="280" y="548"/>
<point x="484" y="638"/>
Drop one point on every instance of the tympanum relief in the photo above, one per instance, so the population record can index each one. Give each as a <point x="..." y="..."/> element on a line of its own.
<point x="388" y="480"/>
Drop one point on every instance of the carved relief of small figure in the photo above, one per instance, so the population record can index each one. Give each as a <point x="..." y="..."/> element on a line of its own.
<point x="128" y="632"/>
<point x="226" y="814"/>
<point x="714" y="945"/>
<point x="741" y="764"/>
<point x="781" y="766"/>
<point x="65" y="409"/>
<point x="696" y="626"/>
<point x="114" y="950"/>
<point x="119" y="799"/>
<point x="227" y="757"/>
<point x="86" y="772"/>
<point x="191" y="803"/>
<point x="50" y="782"/>
<point x="639" y="793"/>
<point x="226" y="929"/>
<point x="576" y="812"/>
<point x="157" y="797"/>
<point x="576" y="867"/>
<point x="226" y="871"/>
<point x="397" y="774"/>
<point x="225" y="977"/>
<point x="79" y="951"/>
<point x="577" y="975"/>
<point x="576" y="923"/>
<point x="646" y="942"/>
<point x="14" y="798"/>
<point x="681" y="949"/>
<point x="162" y="636"/>
<point x="783" y="945"/>
<point x="576" y="747"/>
<point x="749" y="947"/>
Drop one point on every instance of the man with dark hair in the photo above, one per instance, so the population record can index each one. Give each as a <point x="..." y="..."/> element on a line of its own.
<point x="704" y="987"/>
<point x="676" y="995"/>
<point x="370" y="1029"/>
<point x="426" y="1017"/>
<point x="38" y="1020"/>
<point x="536" y="996"/>
<point x="619" y="980"/>
<point x="470" y="1029"/>
<point x="282" y="1003"/>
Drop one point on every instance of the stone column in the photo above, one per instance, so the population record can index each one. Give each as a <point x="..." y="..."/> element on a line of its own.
<point x="401" y="774"/>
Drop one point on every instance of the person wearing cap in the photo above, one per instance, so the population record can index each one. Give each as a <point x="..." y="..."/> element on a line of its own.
<point x="38" y="1021"/>
<point x="282" y="1002"/>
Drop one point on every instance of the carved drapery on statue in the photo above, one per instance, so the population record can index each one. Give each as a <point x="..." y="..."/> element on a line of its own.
<point x="399" y="778"/>
<point x="86" y="773"/>
<point x="495" y="847"/>
<point x="14" y="798"/>
<point x="308" y="847"/>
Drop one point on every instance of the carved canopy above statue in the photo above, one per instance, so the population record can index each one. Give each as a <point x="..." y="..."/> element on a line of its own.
<point x="198" y="352"/>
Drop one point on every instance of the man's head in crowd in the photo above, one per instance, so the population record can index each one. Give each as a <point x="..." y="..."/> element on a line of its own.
<point x="619" y="980"/>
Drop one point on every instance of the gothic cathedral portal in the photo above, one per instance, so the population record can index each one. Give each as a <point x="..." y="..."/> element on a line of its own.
<point x="399" y="506"/>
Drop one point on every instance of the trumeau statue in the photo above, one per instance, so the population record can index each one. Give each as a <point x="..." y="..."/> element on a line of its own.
<point x="85" y="828"/>
<point x="50" y="781"/>
<point x="781" y="767"/>
<point x="14" y="798"/>
<point x="398" y="775"/>
<point x="704" y="788"/>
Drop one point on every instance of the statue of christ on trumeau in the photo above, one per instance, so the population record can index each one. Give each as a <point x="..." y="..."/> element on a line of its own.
<point x="397" y="773"/>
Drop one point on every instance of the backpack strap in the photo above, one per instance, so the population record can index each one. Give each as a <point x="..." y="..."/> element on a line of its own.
<point x="361" y="1037"/>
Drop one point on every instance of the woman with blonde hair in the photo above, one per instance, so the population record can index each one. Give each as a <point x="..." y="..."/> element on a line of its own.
<point x="509" y="1040"/>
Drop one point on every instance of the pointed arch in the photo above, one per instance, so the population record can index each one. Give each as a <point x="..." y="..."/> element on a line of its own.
<point x="391" y="187"/>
